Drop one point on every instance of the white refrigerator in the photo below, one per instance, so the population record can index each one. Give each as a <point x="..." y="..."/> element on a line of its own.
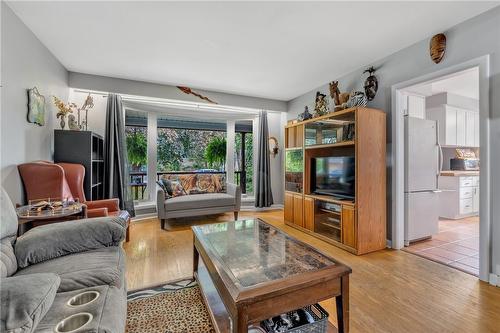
<point x="423" y="164"/>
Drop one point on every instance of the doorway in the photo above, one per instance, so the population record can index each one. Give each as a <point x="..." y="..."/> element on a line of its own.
<point x="441" y="190"/>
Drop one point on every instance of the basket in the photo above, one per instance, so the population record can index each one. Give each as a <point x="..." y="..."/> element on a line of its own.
<point x="319" y="325"/>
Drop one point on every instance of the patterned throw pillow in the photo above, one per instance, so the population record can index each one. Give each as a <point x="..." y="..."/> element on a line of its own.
<point x="177" y="189"/>
<point x="166" y="187"/>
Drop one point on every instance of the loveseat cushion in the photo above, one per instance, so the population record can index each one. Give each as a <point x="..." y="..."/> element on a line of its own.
<point x="196" y="201"/>
<point x="104" y="266"/>
<point x="59" y="239"/>
<point x="25" y="300"/>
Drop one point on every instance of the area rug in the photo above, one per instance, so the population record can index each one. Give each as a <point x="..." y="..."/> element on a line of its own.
<point x="170" y="308"/>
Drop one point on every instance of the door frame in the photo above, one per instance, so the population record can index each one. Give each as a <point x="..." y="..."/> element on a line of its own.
<point x="398" y="143"/>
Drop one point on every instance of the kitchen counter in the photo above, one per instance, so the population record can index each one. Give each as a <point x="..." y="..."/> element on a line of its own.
<point x="458" y="173"/>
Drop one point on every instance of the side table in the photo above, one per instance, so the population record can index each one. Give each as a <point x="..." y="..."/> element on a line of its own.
<point x="28" y="219"/>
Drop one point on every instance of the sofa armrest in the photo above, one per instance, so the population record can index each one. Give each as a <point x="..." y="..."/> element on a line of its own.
<point x="160" y="202"/>
<point x="235" y="191"/>
<point x="113" y="205"/>
<point x="97" y="212"/>
<point x="58" y="239"/>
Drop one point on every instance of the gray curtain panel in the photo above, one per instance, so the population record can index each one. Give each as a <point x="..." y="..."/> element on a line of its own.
<point x="263" y="194"/>
<point x="116" y="174"/>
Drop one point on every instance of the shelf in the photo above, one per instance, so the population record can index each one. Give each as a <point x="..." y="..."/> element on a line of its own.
<point x="97" y="184"/>
<point x="332" y="145"/>
<point x="329" y="211"/>
<point x="98" y="161"/>
<point x="328" y="225"/>
<point x="330" y="199"/>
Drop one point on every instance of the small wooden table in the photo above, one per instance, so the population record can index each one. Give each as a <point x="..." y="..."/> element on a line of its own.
<point x="250" y="271"/>
<point x="28" y="219"/>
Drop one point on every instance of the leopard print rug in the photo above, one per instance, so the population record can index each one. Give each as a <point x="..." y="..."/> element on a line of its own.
<point x="171" y="308"/>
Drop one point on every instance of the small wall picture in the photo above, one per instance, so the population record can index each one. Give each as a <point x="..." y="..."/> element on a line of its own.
<point x="36" y="107"/>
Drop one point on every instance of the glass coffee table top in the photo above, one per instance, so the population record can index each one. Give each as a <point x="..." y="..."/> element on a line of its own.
<point x="255" y="252"/>
<point x="26" y="212"/>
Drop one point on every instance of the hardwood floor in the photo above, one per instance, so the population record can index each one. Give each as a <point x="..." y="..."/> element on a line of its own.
<point x="390" y="291"/>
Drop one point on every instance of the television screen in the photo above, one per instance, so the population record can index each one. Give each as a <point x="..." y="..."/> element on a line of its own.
<point x="334" y="176"/>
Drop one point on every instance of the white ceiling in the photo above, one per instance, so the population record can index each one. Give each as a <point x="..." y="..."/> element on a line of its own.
<point x="465" y="83"/>
<point x="276" y="50"/>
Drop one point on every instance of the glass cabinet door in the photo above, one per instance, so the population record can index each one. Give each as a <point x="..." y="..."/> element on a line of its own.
<point x="294" y="167"/>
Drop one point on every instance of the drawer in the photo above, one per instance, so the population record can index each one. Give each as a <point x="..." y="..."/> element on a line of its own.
<point x="466" y="192"/>
<point x="466" y="181"/>
<point x="466" y="206"/>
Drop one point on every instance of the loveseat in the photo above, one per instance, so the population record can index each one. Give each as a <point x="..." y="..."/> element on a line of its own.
<point x="43" y="272"/>
<point x="197" y="204"/>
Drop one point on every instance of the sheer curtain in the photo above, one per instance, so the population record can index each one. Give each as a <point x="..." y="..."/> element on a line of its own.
<point x="263" y="193"/>
<point x="115" y="156"/>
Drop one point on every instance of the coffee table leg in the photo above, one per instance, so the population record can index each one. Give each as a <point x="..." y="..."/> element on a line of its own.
<point x="196" y="257"/>
<point x="342" y="302"/>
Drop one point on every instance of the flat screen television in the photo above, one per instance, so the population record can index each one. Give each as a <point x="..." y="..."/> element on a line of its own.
<point x="334" y="176"/>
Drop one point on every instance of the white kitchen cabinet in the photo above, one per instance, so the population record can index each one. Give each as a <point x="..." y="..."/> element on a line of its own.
<point x="476" y="129"/>
<point x="457" y="127"/>
<point x="461" y="126"/>
<point x="460" y="196"/>
<point x="470" y="131"/>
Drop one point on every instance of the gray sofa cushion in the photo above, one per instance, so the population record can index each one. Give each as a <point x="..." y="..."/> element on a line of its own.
<point x="8" y="261"/>
<point x="25" y="300"/>
<point x="109" y="311"/>
<point x="197" y="201"/>
<point x="58" y="239"/>
<point x="104" y="266"/>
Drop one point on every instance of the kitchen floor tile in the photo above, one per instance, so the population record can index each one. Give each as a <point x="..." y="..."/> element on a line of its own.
<point x="448" y="255"/>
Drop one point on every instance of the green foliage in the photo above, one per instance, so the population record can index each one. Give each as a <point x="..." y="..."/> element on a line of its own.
<point x="183" y="149"/>
<point x="293" y="160"/>
<point x="215" y="153"/>
<point x="137" y="146"/>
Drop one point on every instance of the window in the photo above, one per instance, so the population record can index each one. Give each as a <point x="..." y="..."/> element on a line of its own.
<point x="243" y="156"/>
<point x="136" y="134"/>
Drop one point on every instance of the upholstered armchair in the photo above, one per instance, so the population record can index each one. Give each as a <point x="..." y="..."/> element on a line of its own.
<point x="43" y="179"/>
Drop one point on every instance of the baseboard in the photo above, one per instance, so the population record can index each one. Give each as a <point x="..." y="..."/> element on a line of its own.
<point x="494" y="280"/>
<point x="258" y="209"/>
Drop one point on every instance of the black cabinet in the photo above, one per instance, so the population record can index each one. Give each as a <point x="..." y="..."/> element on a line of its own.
<point x="85" y="148"/>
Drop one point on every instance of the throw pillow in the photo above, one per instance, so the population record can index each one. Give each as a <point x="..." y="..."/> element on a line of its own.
<point x="177" y="189"/>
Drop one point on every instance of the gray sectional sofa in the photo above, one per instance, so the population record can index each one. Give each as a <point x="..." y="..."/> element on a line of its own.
<point x="52" y="274"/>
<point x="197" y="204"/>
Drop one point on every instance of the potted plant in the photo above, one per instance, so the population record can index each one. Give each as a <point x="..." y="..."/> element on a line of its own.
<point x="64" y="110"/>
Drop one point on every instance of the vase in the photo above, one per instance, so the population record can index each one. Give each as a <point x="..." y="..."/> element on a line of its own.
<point x="62" y="123"/>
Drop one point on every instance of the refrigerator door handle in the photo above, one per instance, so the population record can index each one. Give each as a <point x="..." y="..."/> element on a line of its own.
<point x="440" y="150"/>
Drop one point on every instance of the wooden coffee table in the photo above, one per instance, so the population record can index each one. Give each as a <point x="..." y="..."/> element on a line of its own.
<point x="249" y="271"/>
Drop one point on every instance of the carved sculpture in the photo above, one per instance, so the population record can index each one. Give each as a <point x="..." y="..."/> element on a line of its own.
<point x="437" y="47"/>
<point x="340" y="99"/>
<point x="189" y="91"/>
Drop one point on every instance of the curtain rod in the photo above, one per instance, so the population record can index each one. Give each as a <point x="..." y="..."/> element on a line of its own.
<point x="178" y="103"/>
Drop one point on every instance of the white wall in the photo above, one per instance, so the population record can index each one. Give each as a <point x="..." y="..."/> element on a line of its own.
<point x="26" y="63"/>
<point x="97" y="115"/>
<point x="471" y="39"/>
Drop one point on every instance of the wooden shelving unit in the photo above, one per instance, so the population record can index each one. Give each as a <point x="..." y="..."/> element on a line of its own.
<point x="358" y="225"/>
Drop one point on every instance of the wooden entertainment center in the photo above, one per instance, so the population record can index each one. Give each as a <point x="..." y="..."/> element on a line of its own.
<point x="358" y="225"/>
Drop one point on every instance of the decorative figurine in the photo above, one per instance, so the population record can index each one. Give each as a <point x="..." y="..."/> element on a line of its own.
<point x="305" y="115"/>
<point x="437" y="47"/>
<point x="72" y="124"/>
<point x="321" y="105"/>
<point x="357" y="98"/>
<point x="340" y="99"/>
<point x="371" y="84"/>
